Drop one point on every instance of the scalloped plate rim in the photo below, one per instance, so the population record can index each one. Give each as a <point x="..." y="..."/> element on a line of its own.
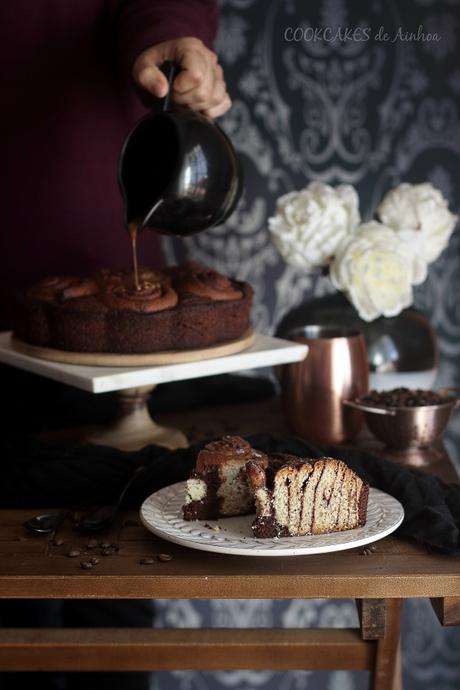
<point x="287" y="546"/>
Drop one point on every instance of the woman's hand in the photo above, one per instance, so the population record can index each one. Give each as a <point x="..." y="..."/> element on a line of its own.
<point x="200" y="85"/>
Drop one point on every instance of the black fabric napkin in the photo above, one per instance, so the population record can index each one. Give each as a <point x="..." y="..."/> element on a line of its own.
<point x="36" y="476"/>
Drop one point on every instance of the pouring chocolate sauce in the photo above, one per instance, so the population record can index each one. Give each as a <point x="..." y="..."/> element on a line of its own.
<point x="133" y="229"/>
<point x="178" y="171"/>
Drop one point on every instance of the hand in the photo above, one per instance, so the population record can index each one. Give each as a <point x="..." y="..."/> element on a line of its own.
<point x="200" y="85"/>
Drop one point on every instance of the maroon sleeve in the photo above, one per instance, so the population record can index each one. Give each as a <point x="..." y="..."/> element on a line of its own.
<point x="144" y="23"/>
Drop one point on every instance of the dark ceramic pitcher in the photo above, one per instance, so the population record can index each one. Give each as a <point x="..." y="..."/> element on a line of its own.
<point x="178" y="170"/>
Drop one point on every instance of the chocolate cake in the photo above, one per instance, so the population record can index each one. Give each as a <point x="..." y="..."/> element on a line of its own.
<point x="291" y="496"/>
<point x="179" y="308"/>
<point x="218" y="485"/>
<point x="295" y="497"/>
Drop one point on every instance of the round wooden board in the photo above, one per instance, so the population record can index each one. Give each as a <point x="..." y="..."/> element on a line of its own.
<point x="106" y="359"/>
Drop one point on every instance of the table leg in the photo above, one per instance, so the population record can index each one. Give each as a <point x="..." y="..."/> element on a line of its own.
<point x="387" y="669"/>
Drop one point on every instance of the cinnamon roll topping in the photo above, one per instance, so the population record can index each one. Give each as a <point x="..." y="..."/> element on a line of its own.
<point x="198" y="280"/>
<point x="233" y="449"/>
<point x="81" y="288"/>
<point x="63" y="288"/>
<point x="152" y="295"/>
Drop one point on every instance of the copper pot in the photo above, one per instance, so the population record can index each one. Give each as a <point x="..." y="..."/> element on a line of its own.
<point x="335" y="369"/>
<point x="408" y="427"/>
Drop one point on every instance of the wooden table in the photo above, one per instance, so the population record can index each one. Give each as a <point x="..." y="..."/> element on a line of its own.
<point x="33" y="567"/>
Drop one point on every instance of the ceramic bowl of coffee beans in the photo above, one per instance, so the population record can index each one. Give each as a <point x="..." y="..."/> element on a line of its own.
<point x="407" y="418"/>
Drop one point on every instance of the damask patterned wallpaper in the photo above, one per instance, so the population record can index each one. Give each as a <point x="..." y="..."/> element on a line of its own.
<point x="373" y="111"/>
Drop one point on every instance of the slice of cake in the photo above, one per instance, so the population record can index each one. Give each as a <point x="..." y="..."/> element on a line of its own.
<point x="218" y="486"/>
<point x="295" y="497"/>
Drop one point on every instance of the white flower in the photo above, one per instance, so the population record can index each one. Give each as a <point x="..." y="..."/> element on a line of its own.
<point x="423" y="208"/>
<point x="376" y="268"/>
<point x="308" y="225"/>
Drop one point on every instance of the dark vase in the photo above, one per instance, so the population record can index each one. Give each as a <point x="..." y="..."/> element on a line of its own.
<point x="402" y="350"/>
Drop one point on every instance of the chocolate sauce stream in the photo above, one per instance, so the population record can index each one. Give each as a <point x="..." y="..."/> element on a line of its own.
<point x="133" y="228"/>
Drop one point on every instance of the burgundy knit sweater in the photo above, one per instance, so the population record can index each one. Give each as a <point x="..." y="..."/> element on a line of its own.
<point x="67" y="104"/>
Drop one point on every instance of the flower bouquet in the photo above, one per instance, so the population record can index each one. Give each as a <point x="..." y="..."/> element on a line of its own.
<point x="375" y="264"/>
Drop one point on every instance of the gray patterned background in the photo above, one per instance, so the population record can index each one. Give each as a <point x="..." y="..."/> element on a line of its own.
<point x="371" y="113"/>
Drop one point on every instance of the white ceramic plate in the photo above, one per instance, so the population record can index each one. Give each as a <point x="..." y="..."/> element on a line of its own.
<point x="161" y="513"/>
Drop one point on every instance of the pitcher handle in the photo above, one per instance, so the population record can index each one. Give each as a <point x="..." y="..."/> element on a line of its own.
<point x="170" y="69"/>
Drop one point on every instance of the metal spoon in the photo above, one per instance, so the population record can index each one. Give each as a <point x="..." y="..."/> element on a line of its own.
<point x="369" y="408"/>
<point x="49" y="522"/>
<point x="101" y="517"/>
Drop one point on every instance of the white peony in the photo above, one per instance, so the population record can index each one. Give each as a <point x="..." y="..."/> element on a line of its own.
<point x="423" y="208"/>
<point x="309" y="225"/>
<point x="376" y="268"/>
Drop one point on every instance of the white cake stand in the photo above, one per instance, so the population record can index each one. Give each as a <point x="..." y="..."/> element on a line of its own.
<point x="134" y="428"/>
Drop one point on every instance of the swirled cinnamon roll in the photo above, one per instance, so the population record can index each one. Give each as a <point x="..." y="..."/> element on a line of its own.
<point x="63" y="288"/>
<point x="194" y="279"/>
<point x="155" y="292"/>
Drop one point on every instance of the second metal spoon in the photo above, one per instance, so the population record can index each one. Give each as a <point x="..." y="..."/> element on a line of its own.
<point x="98" y="519"/>
<point x="103" y="516"/>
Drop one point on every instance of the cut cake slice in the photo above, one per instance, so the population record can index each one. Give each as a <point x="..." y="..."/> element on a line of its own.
<point x="218" y="485"/>
<point x="296" y="497"/>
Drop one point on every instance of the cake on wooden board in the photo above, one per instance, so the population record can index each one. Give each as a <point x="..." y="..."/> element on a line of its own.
<point x="291" y="496"/>
<point x="180" y="308"/>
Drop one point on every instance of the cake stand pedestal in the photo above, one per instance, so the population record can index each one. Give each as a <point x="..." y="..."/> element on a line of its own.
<point x="134" y="427"/>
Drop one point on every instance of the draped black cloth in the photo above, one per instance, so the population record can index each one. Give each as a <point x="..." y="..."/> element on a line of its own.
<point x="35" y="475"/>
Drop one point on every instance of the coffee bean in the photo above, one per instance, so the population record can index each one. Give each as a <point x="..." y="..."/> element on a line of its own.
<point x="105" y="545"/>
<point x="164" y="557"/>
<point x="73" y="553"/>
<point x="106" y="552"/>
<point x="146" y="561"/>
<point x="93" y="560"/>
<point x="57" y="542"/>
<point x="86" y="565"/>
<point x="92" y="544"/>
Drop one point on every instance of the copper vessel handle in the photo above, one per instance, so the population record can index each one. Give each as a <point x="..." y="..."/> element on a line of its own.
<point x="368" y="408"/>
